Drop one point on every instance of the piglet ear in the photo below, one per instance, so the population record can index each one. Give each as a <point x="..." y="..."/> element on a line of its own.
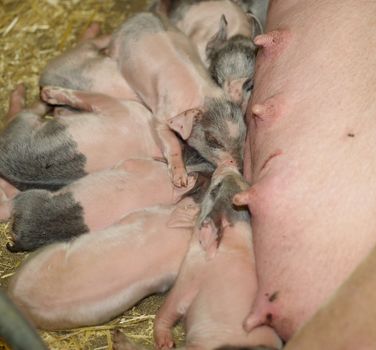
<point x="257" y="27"/>
<point x="184" y="215"/>
<point x="178" y="192"/>
<point x="183" y="122"/>
<point x="217" y="39"/>
<point x="161" y="6"/>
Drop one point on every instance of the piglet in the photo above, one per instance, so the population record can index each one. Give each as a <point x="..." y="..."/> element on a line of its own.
<point x="51" y="153"/>
<point x="87" y="67"/>
<point x="100" y="275"/>
<point x="93" y="202"/>
<point x="214" y="293"/>
<point x="199" y="20"/>
<point x="164" y="69"/>
<point x="232" y="64"/>
<point x="222" y="33"/>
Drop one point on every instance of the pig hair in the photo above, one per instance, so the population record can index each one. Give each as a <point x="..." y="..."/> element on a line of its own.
<point x="36" y="155"/>
<point x="195" y="162"/>
<point x="211" y="135"/>
<point x="201" y="186"/>
<point x="234" y="59"/>
<point x="203" y="169"/>
<point x="217" y="203"/>
<point x="67" y="71"/>
<point x="39" y="217"/>
<point x="222" y="195"/>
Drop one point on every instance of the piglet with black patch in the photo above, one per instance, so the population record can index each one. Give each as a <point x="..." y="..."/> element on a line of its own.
<point x="87" y="67"/>
<point x="92" y="203"/>
<point x="51" y="153"/>
<point x="215" y="287"/>
<point x="100" y="275"/>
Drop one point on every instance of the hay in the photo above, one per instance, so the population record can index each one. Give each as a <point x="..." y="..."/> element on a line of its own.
<point x="31" y="33"/>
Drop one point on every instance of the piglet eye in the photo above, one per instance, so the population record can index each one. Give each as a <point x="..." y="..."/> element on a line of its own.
<point x="248" y="85"/>
<point x="212" y="141"/>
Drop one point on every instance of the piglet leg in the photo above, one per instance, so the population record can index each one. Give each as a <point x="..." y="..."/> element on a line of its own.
<point x="16" y="102"/>
<point x="121" y="342"/>
<point x="86" y="101"/>
<point x="172" y="151"/>
<point x="91" y="32"/>
<point x="179" y="299"/>
<point x="91" y="36"/>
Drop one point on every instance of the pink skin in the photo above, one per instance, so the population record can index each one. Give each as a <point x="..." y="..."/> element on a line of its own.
<point x="213" y="295"/>
<point x="201" y="23"/>
<point x="122" y="129"/>
<point x="347" y="322"/>
<point x="170" y="86"/>
<point x="95" y="66"/>
<point x="100" y="275"/>
<point x="311" y="156"/>
<point x="108" y="195"/>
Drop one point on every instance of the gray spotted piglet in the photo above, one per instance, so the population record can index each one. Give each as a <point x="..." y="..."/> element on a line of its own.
<point x="163" y="68"/>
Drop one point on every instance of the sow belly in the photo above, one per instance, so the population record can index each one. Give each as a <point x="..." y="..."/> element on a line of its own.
<point x="311" y="154"/>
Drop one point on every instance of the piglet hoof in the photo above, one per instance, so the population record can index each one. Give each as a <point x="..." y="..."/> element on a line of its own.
<point x="164" y="340"/>
<point x="54" y="95"/>
<point x="179" y="177"/>
<point x="120" y="341"/>
<point x="13" y="247"/>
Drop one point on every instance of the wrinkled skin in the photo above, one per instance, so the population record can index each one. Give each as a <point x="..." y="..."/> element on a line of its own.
<point x="51" y="153"/>
<point x="211" y="291"/>
<point x="138" y="256"/>
<point x="310" y="156"/>
<point x="91" y="203"/>
<point x="179" y="91"/>
<point x="87" y="67"/>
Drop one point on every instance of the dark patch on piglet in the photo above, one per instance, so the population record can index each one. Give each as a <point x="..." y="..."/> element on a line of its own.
<point x="195" y="163"/>
<point x="217" y="206"/>
<point x="39" y="155"/>
<point x="57" y="217"/>
<point x="234" y="58"/>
